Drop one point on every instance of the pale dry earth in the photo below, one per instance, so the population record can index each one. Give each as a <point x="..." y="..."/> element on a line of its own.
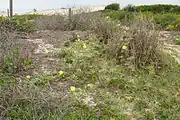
<point x="62" y="11"/>
<point x="168" y="38"/>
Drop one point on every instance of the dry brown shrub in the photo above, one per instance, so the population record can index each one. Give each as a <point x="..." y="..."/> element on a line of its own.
<point x="142" y="43"/>
<point x="54" y="22"/>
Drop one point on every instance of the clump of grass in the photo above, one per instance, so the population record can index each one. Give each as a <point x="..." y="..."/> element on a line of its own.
<point x="24" y="100"/>
<point x="144" y="45"/>
<point x="20" y="23"/>
<point x="12" y="59"/>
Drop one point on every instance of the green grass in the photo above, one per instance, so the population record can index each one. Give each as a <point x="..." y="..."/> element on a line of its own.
<point x="21" y="23"/>
<point x="119" y="93"/>
<point x="177" y="40"/>
<point x="166" y="21"/>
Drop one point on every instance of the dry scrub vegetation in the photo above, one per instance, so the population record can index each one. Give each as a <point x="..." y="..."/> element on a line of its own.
<point x="116" y="72"/>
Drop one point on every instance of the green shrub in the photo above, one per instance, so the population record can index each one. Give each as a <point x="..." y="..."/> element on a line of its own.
<point x="25" y="23"/>
<point x="123" y="16"/>
<point x="14" y="62"/>
<point x="159" y="8"/>
<point x="178" y="40"/>
<point x="167" y="21"/>
<point x="21" y="23"/>
<point x="175" y="9"/>
<point x="130" y="8"/>
<point x="113" y="6"/>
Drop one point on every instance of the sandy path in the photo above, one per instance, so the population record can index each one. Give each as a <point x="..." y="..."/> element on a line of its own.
<point x="170" y="47"/>
<point x="46" y="43"/>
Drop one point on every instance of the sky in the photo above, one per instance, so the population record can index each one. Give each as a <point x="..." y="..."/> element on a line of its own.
<point x="28" y="5"/>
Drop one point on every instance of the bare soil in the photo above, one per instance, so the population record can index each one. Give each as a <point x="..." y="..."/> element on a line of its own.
<point x="38" y="43"/>
<point x="168" y="38"/>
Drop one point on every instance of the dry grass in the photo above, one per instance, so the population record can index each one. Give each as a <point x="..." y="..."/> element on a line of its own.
<point x="144" y="45"/>
<point x="54" y="22"/>
<point x="141" y="40"/>
<point x="12" y="57"/>
<point x="6" y="40"/>
<point x="26" y="101"/>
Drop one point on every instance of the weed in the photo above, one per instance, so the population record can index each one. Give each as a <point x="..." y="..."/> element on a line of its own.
<point x="178" y="40"/>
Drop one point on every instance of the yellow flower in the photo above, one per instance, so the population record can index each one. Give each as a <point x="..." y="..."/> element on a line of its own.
<point x="124" y="47"/>
<point x="28" y="76"/>
<point x="78" y="40"/>
<point x="73" y="88"/>
<point x="84" y="46"/>
<point x="46" y="51"/>
<point x="61" y="72"/>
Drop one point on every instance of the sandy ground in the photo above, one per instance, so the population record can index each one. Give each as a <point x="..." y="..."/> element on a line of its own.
<point x="40" y="42"/>
<point x="168" y="38"/>
<point x="63" y="11"/>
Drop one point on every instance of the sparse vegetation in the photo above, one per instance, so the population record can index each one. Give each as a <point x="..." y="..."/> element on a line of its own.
<point x="118" y="71"/>
<point x="12" y="60"/>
